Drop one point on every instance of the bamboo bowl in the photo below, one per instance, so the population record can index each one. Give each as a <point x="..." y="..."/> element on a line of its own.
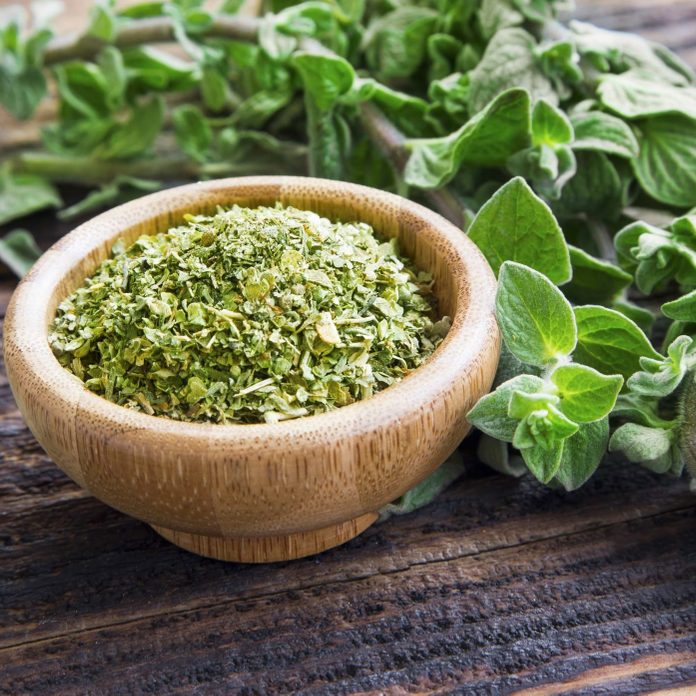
<point x="259" y="492"/>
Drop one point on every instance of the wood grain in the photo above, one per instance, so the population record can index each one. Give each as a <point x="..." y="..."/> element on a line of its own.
<point x="499" y="587"/>
<point x="261" y="492"/>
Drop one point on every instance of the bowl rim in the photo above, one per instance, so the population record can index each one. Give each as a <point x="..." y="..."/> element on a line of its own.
<point x="27" y="323"/>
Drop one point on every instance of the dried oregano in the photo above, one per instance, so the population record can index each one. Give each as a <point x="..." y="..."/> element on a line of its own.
<point x="248" y="315"/>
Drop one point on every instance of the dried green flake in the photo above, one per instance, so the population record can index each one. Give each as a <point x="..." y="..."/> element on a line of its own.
<point x="248" y="315"/>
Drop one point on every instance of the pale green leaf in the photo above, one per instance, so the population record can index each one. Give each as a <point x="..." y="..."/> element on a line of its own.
<point x="586" y="395"/>
<point x="18" y="251"/>
<point x="490" y="414"/>
<point x="582" y="454"/>
<point x="535" y="319"/>
<point x="509" y="61"/>
<point x="666" y="166"/>
<point x="596" y="130"/>
<point x="609" y="341"/>
<point x="486" y="140"/>
<point x="594" y="280"/>
<point x="516" y="225"/>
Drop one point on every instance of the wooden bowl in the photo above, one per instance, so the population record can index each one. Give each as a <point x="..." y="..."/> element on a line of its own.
<point x="259" y="492"/>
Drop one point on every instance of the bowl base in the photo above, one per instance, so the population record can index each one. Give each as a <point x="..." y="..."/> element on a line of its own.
<point x="271" y="548"/>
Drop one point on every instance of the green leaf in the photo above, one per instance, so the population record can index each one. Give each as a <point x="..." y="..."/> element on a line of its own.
<point x="111" y="64"/>
<point x="582" y="454"/>
<point x="681" y="309"/>
<point x="448" y="106"/>
<point x="548" y="168"/>
<point x="395" y="43"/>
<point x="427" y="490"/>
<point x="615" y="51"/>
<point x="561" y="63"/>
<point x="21" y="93"/>
<point x="550" y="163"/>
<point x="214" y="88"/>
<point x="641" y="316"/>
<point x="258" y="108"/>
<point x="18" y="251"/>
<point x="516" y="225"/>
<point x="102" y="21"/>
<point x="586" y="395"/>
<point x="490" y="414"/>
<point x="635" y="97"/>
<point x="535" y="319"/>
<point x="443" y="51"/>
<point x="666" y="166"/>
<point x="550" y="126"/>
<point x="22" y="194"/>
<point x="192" y="131"/>
<point x="609" y="341"/>
<point x="22" y="84"/>
<point x="595" y="130"/>
<point x="661" y="376"/>
<point x="509" y="61"/>
<point x="643" y="445"/>
<point x="405" y="111"/>
<point x="594" y="281"/>
<point x="326" y="156"/>
<point x="486" y="140"/>
<point x="494" y="15"/>
<point x="150" y="68"/>
<point x="496" y="454"/>
<point x="640" y="409"/>
<point x="596" y="186"/>
<point x="325" y="78"/>
<point x="136" y="135"/>
<point x="509" y="366"/>
<point x="543" y="463"/>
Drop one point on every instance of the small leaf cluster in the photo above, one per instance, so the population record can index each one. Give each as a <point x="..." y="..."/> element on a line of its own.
<point x="566" y="370"/>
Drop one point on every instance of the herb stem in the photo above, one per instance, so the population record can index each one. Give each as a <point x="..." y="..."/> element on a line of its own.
<point x="89" y="171"/>
<point x="138" y="32"/>
<point x="604" y="242"/>
<point x="392" y="143"/>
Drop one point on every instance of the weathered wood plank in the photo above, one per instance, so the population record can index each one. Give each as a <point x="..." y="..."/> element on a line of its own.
<point x="63" y="535"/>
<point x="499" y="621"/>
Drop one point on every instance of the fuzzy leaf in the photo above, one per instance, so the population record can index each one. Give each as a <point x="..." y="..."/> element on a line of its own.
<point x="486" y="140"/>
<point x="535" y="319"/>
<point x="586" y="395"/>
<point x="582" y="454"/>
<point x="18" y="251"/>
<point x="516" y="225"/>
<point x="609" y="341"/>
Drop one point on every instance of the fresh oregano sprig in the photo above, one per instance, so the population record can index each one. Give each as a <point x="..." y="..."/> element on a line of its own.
<point x="562" y="403"/>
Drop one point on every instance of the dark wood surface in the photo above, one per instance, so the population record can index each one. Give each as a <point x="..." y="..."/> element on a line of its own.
<point x="500" y="586"/>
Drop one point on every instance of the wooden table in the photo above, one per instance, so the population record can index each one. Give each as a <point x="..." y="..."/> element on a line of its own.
<point x="500" y="586"/>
